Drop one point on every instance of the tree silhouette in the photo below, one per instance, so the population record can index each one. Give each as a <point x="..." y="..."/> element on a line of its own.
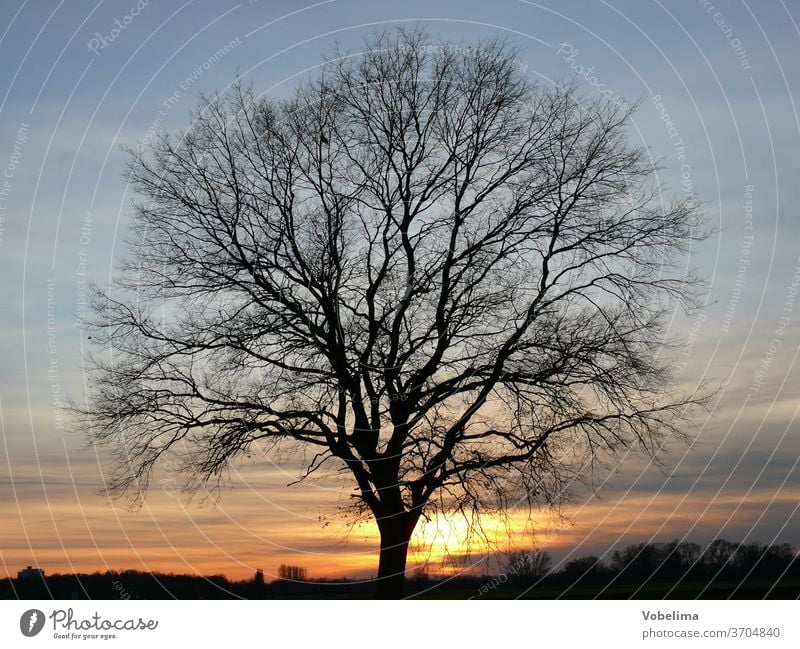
<point x="526" y="566"/>
<point x="448" y="279"/>
<point x="644" y="562"/>
<point x="584" y="570"/>
<point x="292" y="573"/>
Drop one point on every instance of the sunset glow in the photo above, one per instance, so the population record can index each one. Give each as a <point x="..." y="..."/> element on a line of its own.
<point x="715" y="131"/>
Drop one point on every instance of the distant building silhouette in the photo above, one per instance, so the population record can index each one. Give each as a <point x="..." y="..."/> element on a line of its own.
<point x="30" y="573"/>
<point x="258" y="589"/>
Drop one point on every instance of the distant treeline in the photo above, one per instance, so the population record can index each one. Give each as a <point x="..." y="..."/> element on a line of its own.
<point x="129" y="584"/>
<point x="670" y="563"/>
<point x="652" y="570"/>
<point x="132" y="584"/>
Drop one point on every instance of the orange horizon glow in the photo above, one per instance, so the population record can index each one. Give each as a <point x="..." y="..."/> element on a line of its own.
<point x="54" y="518"/>
<point x="234" y="541"/>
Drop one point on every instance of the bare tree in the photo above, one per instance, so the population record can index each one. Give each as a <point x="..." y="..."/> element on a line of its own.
<point x="526" y="566"/>
<point x="445" y="277"/>
<point x="292" y="573"/>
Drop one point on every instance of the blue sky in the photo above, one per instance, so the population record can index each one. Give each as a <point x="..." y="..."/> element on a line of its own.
<point x="74" y="91"/>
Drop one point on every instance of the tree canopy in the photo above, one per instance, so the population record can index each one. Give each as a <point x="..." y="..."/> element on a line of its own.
<point x="447" y="278"/>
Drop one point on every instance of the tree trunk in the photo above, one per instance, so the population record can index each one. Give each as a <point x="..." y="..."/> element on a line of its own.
<point x="395" y="536"/>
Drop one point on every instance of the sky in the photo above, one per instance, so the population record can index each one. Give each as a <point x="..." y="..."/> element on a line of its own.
<point x="718" y="86"/>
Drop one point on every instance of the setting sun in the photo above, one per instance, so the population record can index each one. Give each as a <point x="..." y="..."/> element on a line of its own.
<point x="457" y="542"/>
